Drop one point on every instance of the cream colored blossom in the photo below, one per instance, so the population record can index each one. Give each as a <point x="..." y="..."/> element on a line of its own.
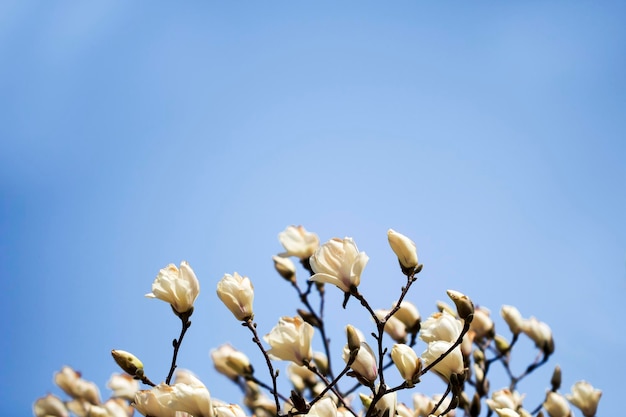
<point x="285" y="268"/>
<point x="482" y="324"/>
<point x="237" y="293"/>
<point x="407" y="362"/>
<point x="506" y="412"/>
<point x="153" y="402"/>
<point x="194" y="400"/>
<point x="76" y="387"/>
<point x="402" y="410"/>
<point x="407" y="314"/>
<point x="556" y="405"/>
<point x="422" y="404"/>
<point x="504" y="398"/>
<point x="185" y="376"/>
<point x="585" y="397"/>
<point x="325" y="407"/>
<point x="404" y="248"/>
<point x="441" y="326"/>
<point x="298" y="242"/>
<point x="386" y="406"/>
<point x="123" y="386"/>
<point x="513" y="318"/>
<point x="290" y="340"/>
<point x="230" y="362"/>
<point x="179" y="287"/>
<point x="450" y="364"/>
<point x="301" y="377"/>
<point x="365" y="362"/>
<point x="50" y="406"/>
<point x="338" y="262"/>
<point x="229" y="410"/>
<point x="540" y="333"/>
<point x="393" y="327"/>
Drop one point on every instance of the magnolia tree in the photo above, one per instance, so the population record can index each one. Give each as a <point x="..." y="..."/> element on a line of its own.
<point x="459" y="345"/>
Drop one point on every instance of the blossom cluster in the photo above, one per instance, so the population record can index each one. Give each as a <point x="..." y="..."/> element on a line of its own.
<point x="460" y="347"/>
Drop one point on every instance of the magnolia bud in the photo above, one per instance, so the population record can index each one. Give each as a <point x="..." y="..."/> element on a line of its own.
<point x="354" y="341"/>
<point x="237" y="293"/>
<point x="285" y="267"/>
<point x="464" y="306"/>
<point x="405" y="250"/>
<point x="555" y="381"/>
<point x="501" y="344"/>
<point x="128" y="362"/>
<point x="513" y="318"/>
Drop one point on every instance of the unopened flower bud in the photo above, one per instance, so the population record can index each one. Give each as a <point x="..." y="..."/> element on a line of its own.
<point x="354" y="341"/>
<point x="555" y="381"/>
<point x="501" y="343"/>
<point x="285" y="267"/>
<point x="237" y="293"/>
<point x="405" y="250"/>
<point x="513" y="318"/>
<point x="443" y="306"/>
<point x="128" y="362"/>
<point x="464" y="306"/>
<point x="407" y="362"/>
<point x="556" y="405"/>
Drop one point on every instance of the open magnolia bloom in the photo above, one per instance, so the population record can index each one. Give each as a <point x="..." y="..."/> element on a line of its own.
<point x="153" y="402"/>
<point x="325" y="407"/>
<point x="504" y="398"/>
<point x="76" y="387"/>
<point x="441" y="326"/>
<point x="230" y="362"/>
<point x="556" y="405"/>
<point x="338" y="262"/>
<point x="585" y="397"/>
<point x="50" y="405"/>
<point x="540" y="333"/>
<point x="179" y="287"/>
<point x="298" y="242"/>
<point x="290" y="340"/>
<point x="450" y="364"/>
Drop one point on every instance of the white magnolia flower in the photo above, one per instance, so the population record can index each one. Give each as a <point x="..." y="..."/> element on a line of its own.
<point x="325" y="407"/>
<point x="237" y="293"/>
<point x="556" y="405"/>
<point x="229" y="410"/>
<point x="76" y="387"/>
<point x="540" y="333"/>
<point x="507" y="412"/>
<point x="513" y="318"/>
<point x="450" y="364"/>
<point x="441" y="326"/>
<point x="50" y="406"/>
<point x="153" y="402"/>
<point x="298" y="242"/>
<point x="407" y="362"/>
<point x="404" y="248"/>
<point x="393" y="327"/>
<point x="285" y="268"/>
<point x="123" y="386"/>
<point x="185" y="376"/>
<point x="482" y="324"/>
<point x="290" y="340"/>
<point x="194" y="400"/>
<point x="504" y="398"/>
<point x="179" y="287"/>
<point x="407" y="314"/>
<point x="585" y="397"/>
<point x="386" y="406"/>
<point x="365" y="362"/>
<point x="338" y="262"/>
<point x="230" y="362"/>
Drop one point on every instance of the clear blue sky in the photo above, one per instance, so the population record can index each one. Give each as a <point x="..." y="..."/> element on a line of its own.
<point x="133" y="135"/>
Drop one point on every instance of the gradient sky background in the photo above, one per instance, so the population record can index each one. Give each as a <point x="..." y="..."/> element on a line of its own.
<point x="133" y="135"/>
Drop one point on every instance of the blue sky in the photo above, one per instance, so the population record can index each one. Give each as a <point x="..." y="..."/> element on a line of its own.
<point x="136" y="135"/>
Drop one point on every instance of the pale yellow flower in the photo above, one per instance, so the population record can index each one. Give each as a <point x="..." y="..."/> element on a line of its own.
<point x="290" y="340"/>
<point x="338" y="262"/>
<point x="404" y="248"/>
<point x="237" y="293"/>
<point x="298" y="242"/>
<point x="585" y="397"/>
<point x="179" y="287"/>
